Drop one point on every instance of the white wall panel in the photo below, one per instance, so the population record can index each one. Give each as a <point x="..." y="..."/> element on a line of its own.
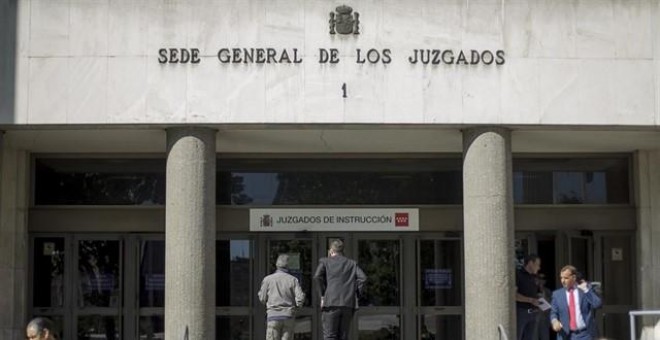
<point x="588" y="62"/>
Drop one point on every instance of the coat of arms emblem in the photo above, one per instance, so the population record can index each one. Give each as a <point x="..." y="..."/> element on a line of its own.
<point x="266" y="221"/>
<point x="344" y="21"/>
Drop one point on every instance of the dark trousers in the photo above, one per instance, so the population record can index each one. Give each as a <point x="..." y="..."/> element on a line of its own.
<point x="526" y="321"/>
<point x="336" y="322"/>
<point x="580" y="335"/>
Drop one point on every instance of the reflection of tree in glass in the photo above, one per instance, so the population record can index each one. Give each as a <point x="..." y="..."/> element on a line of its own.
<point x="237" y="195"/>
<point x="571" y="198"/>
<point x="379" y="259"/>
<point x="367" y="188"/>
<point x="57" y="277"/>
<point x="121" y="182"/>
<point x="98" y="271"/>
<point x="325" y="188"/>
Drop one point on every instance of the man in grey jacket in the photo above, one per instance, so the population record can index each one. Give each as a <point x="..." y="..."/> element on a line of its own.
<point x="282" y="295"/>
<point x="339" y="281"/>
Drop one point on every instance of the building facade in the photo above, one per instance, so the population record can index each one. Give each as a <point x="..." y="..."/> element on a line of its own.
<point x="158" y="155"/>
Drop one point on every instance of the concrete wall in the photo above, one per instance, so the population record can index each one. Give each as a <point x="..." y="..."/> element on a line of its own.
<point x="648" y="238"/>
<point x="590" y="62"/>
<point x="8" y="10"/>
<point x="13" y="241"/>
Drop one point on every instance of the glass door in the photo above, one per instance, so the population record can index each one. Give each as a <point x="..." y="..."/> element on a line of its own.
<point x="98" y="288"/>
<point x="614" y="268"/>
<point x="78" y="283"/>
<point x="440" y="286"/>
<point x="302" y="263"/>
<point x="379" y="315"/>
<point x="581" y="254"/>
<point x="234" y="289"/>
<point x="151" y="287"/>
<point x="49" y="269"/>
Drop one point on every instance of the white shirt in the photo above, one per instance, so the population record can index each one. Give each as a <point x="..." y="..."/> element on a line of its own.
<point x="578" y="314"/>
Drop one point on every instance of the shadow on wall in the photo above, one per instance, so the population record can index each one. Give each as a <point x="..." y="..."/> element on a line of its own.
<point x="8" y="31"/>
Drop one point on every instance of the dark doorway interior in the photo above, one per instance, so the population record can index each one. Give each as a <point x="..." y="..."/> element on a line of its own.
<point x="546" y="249"/>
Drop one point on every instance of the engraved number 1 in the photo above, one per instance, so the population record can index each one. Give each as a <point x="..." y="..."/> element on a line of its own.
<point x="343" y="88"/>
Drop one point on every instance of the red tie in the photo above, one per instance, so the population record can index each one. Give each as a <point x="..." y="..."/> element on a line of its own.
<point x="571" y="310"/>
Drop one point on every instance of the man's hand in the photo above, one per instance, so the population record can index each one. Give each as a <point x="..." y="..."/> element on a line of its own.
<point x="584" y="286"/>
<point x="322" y="300"/>
<point x="556" y="325"/>
<point x="534" y="301"/>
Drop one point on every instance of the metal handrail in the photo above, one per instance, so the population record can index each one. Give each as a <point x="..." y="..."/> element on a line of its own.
<point x="632" y="314"/>
<point x="503" y="335"/>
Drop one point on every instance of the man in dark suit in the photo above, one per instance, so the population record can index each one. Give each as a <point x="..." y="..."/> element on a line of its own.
<point x="339" y="281"/>
<point x="573" y="308"/>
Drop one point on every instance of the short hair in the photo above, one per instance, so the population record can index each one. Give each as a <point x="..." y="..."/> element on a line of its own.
<point x="529" y="258"/>
<point x="282" y="261"/>
<point x="570" y="268"/>
<point x="337" y="246"/>
<point x="41" y="324"/>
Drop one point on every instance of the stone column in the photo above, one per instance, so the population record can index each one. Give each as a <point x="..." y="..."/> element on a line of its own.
<point x="488" y="233"/>
<point x="190" y="234"/>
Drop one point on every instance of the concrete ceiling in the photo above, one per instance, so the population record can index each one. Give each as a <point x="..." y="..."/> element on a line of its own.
<point x="401" y="140"/>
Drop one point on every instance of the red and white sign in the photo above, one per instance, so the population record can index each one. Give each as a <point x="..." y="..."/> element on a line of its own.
<point x="403" y="219"/>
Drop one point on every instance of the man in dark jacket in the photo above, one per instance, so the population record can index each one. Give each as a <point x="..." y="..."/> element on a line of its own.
<point x="339" y="281"/>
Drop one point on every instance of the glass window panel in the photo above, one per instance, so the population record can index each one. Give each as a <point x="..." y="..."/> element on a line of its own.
<point x="576" y="180"/>
<point x="99" y="181"/>
<point x="440" y="327"/>
<point x="48" y="272"/>
<point x="300" y="262"/>
<point x="232" y="328"/>
<point x="595" y="188"/>
<point x="617" y="183"/>
<point x="379" y="259"/>
<point x="320" y="188"/>
<point x="532" y="187"/>
<point x="379" y="327"/>
<point x="95" y="327"/>
<point x="569" y="187"/>
<point x="152" y="273"/>
<point x="152" y="327"/>
<point x="441" y="273"/>
<point x="233" y="268"/>
<point x="98" y="273"/>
